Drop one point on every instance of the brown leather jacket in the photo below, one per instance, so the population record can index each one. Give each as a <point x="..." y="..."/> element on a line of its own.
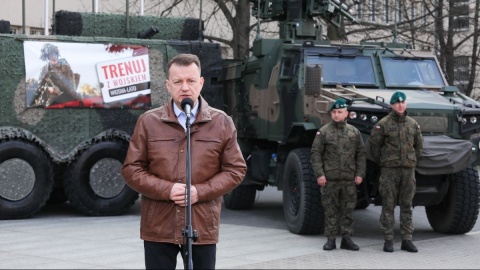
<point x="156" y="159"/>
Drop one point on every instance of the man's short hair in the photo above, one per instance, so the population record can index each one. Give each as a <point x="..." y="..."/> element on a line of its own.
<point x="184" y="59"/>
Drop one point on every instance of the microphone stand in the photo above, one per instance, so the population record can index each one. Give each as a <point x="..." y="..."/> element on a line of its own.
<point x="188" y="233"/>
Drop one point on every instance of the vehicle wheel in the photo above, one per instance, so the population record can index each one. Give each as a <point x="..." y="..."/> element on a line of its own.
<point x="93" y="182"/>
<point x="26" y="179"/>
<point x="457" y="213"/>
<point x="302" y="204"/>
<point x="241" y="198"/>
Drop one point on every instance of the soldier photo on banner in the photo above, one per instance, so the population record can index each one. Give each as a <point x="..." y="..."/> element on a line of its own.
<point x="60" y="74"/>
<point x="57" y="82"/>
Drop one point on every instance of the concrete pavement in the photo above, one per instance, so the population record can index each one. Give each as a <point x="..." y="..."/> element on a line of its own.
<point x="60" y="238"/>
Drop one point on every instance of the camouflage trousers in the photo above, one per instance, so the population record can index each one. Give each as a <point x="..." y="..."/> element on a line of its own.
<point x="339" y="199"/>
<point x="397" y="187"/>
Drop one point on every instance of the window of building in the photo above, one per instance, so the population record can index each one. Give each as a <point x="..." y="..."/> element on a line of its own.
<point x="425" y="15"/>
<point x="373" y="8"/>
<point x="387" y="11"/>
<point x="461" y="22"/>
<point x="359" y="10"/>
<point x="36" y="31"/>
<point x="461" y="64"/>
<point x="461" y="19"/>
<point x="418" y="13"/>
<point x="461" y="75"/>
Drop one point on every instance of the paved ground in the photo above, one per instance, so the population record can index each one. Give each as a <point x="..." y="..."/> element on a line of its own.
<point x="60" y="238"/>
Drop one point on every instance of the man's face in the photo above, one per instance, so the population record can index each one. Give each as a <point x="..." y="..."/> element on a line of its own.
<point x="184" y="82"/>
<point x="339" y="115"/>
<point x="399" y="107"/>
<point x="53" y="59"/>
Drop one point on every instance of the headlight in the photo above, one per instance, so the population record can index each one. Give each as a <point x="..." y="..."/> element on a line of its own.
<point x="353" y="115"/>
<point x="473" y="119"/>
<point x="374" y="119"/>
<point x="363" y="117"/>
<point x="464" y="121"/>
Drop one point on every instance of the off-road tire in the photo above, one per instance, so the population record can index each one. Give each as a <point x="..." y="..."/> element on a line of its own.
<point x="241" y="198"/>
<point x="37" y="160"/>
<point x="302" y="206"/>
<point x="457" y="213"/>
<point x="78" y="183"/>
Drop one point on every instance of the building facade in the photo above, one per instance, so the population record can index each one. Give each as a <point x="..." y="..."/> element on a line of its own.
<point x="413" y="20"/>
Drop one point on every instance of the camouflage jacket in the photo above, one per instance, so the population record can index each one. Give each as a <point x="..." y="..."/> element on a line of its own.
<point x="61" y="78"/>
<point x="338" y="152"/>
<point x="396" y="141"/>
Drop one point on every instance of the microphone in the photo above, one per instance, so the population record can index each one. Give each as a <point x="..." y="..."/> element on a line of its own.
<point x="187" y="104"/>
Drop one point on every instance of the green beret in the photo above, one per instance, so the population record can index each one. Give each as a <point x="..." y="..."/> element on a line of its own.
<point x="338" y="104"/>
<point x="398" y="97"/>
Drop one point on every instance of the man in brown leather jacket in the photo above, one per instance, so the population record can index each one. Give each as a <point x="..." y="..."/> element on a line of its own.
<point x="155" y="167"/>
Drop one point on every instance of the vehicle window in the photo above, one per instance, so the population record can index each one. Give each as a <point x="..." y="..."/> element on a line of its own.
<point x="411" y="72"/>
<point x="357" y="70"/>
<point x="286" y="66"/>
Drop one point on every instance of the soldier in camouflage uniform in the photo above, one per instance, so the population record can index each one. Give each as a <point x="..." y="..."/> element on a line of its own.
<point x="396" y="144"/>
<point x="57" y="82"/>
<point x="339" y="161"/>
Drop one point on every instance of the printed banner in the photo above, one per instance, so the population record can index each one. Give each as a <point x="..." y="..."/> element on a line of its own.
<point x="124" y="78"/>
<point x="61" y="74"/>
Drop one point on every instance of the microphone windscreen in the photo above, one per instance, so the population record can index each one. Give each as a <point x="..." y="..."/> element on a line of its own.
<point x="186" y="101"/>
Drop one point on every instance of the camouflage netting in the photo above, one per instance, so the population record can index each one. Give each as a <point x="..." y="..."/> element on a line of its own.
<point x="211" y="68"/>
<point x="4" y="27"/>
<point x="62" y="132"/>
<point x="113" y="25"/>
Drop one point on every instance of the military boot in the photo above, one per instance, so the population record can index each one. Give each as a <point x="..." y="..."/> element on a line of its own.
<point x="388" y="246"/>
<point x="408" y="246"/>
<point x="330" y="244"/>
<point x="347" y="243"/>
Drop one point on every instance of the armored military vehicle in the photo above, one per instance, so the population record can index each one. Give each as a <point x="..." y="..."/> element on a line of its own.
<point x="280" y="97"/>
<point x="69" y="103"/>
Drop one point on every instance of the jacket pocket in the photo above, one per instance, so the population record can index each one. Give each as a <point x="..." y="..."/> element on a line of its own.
<point x="161" y="144"/>
<point x="389" y="154"/>
<point x="157" y="143"/>
<point x="330" y="165"/>
<point x="205" y="218"/>
<point x="207" y="153"/>
<point x="411" y="160"/>
<point x="158" y="217"/>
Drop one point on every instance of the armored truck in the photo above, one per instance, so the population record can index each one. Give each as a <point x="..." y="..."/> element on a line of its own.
<point x="280" y="96"/>
<point x="69" y="103"/>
